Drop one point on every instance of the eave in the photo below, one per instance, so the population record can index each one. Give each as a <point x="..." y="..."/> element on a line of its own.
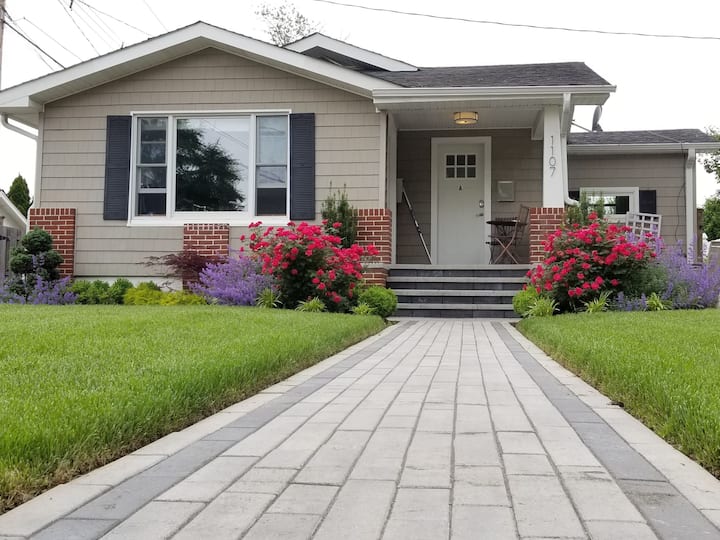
<point x="661" y="148"/>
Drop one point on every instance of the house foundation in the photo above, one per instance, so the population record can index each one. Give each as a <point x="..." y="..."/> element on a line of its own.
<point x="60" y="223"/>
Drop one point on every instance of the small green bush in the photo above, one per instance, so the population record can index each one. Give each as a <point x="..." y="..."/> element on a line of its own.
<point x="599" y="304"/>
<point x="542" y="307"/>
<point x="523" y="300"/>
<point x="337" y="210"/>
<point x="363" y="309"/>
<point x="118" y="289"/>
<point x="181" y="298"/>
<point x="143" y="294"/>
<point x="314" y="305"/>
<point x="92" y="292"/>
<point x="268" y="298"/>
<point x="383" y="301"/>
<point x="650" y="279"/>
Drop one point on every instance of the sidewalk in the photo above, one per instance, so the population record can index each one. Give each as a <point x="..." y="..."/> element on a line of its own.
<point x="433" y="429"/>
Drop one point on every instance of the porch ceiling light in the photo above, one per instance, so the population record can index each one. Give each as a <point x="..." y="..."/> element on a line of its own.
<point x="465" y="118"/>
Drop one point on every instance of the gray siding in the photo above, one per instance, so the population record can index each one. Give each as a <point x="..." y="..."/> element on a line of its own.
<point x="663" y="173"/>
<point x="514" y="157"/>
<point x="73" y="151"/>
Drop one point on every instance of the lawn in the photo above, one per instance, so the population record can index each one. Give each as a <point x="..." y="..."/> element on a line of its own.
<point x="663" y="366"/>
<point x="82" y="385"/>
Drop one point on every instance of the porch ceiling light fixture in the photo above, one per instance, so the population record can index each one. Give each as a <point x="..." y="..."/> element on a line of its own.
<point x="465" y="118"/>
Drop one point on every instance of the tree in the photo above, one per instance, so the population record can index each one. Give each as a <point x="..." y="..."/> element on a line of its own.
<point x="712" y="161"/>
<point x="19" y="194"/>
<point x="711" y="217"/>
<point x="285" y="23"/>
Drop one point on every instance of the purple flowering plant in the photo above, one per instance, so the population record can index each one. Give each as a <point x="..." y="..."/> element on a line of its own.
<point x="235" y="282"/>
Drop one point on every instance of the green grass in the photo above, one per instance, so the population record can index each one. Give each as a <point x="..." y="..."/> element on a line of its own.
<point x="663" y="366"/>
<point x="82" y="385"/>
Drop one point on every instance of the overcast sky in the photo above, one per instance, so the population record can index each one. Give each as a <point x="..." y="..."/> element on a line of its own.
<point x="661" y="83"/>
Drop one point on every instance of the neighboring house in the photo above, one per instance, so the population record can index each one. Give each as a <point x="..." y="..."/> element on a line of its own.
<point x="183" y="140"/>
<point x="13" y="226"/>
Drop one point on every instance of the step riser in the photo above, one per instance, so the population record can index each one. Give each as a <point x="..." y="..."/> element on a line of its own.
<point x="459" y="286"/>
<point x="456" y="314"/>
<point x="459" y="273"/>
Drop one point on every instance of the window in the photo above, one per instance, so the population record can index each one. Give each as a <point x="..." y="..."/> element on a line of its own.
<point x="617" y="201"/>
<point x="233" y="165"/>
<point x="460" y="166"/>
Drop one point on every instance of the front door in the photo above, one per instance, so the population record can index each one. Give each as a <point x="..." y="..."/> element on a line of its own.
<point x="461" y="200"/>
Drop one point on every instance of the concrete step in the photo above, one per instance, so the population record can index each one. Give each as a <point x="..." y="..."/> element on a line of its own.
<point x="456" y="310"/>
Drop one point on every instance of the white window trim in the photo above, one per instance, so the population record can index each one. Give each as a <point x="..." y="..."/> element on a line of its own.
<point x="175" y="219"/>
<point x="633" y="192"/>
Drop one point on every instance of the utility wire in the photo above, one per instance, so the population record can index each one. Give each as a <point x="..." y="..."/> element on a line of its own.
<point x="147" y="5"/>
<point x="517" y="25"/>
<point x="101" y="23"/>
<point x="78" y="27"/>
<point x="25" y="19"/>
<point x="31" y="42"/>
<point x="83" y="17"/>
<point x="113" y="17"/>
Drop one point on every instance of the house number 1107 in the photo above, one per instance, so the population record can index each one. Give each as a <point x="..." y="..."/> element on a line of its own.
<point x="552" y="162"/>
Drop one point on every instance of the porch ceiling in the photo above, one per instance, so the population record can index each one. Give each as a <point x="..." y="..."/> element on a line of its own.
<point x="488" y="118"/>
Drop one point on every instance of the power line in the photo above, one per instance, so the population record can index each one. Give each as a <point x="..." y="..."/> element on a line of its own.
<point x="78" y="27"/>
<point x="31" y="42"/>
<point x="91" y="27"/>
<point x="154" y="15"/>
<point x="101" y="23"/>
<point x="518" y="25"/>
<point x="113" y="18"/>
<point x="25" y="19"/>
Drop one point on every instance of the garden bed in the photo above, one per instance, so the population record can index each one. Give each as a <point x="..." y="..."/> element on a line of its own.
<point x="83" y="385"/>
<point x="663" y="366"/>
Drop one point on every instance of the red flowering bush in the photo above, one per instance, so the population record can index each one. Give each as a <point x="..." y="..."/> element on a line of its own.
<point x="584" y="261"/>
<point x="306" y="262"/>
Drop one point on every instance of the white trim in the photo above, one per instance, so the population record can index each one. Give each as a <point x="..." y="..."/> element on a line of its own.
<point x="589" y="149"/>
<point x="346" y="49"/>
<point x="690" y="206"/>
<point x="17" y="215"/>
<point x="382" y="162"/>
<point x="29" y="96"/>
<point x="39" y="148"/>
<point x="435" y="144"/>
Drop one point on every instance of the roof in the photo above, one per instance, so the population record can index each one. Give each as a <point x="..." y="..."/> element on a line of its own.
<point x="557" y="74"/>
<point x="10" y="211"/>
<point x="662" y="140"/>
<point x="663" y="136"/>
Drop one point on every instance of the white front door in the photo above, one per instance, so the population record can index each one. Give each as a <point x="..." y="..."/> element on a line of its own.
<point x="461" y="200"/>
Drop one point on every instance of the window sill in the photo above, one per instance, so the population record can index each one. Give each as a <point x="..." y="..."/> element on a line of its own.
<point x="276" y="221"/>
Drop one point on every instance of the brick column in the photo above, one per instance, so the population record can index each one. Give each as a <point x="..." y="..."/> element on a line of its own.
<point x="60" y="223"/>
<point x="543" y="221"/>
<point x="207" y="239"/>
<point x="374" y="227"/>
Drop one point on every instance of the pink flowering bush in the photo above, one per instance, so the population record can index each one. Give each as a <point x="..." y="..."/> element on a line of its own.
<point x="584" y="261"/>
<point x="306" y="262"/>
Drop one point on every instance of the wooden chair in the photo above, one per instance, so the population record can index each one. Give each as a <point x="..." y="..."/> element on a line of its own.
<point x="506" y="234"/>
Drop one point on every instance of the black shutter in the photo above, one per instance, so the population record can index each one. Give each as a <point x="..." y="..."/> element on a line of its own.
<point x="648" y="201"/>
<point x="117" y="168"/>
<point x="302" y="166"/>
<point x="574" y="194"/>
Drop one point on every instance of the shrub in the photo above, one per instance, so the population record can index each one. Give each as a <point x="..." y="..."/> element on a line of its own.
<point x="268" y="298"/>
<point x="235" y="282"/>
<point x="144" y="293"/>
<point x="652" y="278"/>
<point x="542" y="307"/>
<point x="599" y="304"/>
<point x="33" y="258"/>
<point x="363" y="309"/>
<point x="306" y="263"/>
<point x="92" y="292"/>
<point x="339" y="218"/>
<point x="314" y="305"/>
<point x="689" y="285"/>
<point x="118" y="289"/>
<point x="185" y="265"/>
<point x="382" y="301"/>
<point x="582" y="262"/>
<point x="581" y="213"/>
<point x="181" y="298"/>
<point x="524" y="299"/>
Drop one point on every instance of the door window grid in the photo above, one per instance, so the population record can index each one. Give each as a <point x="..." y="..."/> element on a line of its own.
<point x="460" y="166"/>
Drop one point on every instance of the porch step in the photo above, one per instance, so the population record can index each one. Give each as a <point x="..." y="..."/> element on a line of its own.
<point x="472" y="291"/>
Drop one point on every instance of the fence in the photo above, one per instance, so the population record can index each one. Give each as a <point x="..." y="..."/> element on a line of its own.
<point x="9" y="238"/>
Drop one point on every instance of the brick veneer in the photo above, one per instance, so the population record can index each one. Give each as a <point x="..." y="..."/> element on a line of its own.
<point x="543" y="221"/>
<point x="375" y="227"/>
<point x="209" y="239"/>
<point x="60" y="223"/>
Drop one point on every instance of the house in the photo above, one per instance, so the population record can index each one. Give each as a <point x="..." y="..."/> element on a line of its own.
<point x="13" y="226"/>
<point x="183" y="140"/>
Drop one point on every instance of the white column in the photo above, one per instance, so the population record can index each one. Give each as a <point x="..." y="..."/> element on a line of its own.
<point x="554" y="161"/>
<point x="691" y="240"/>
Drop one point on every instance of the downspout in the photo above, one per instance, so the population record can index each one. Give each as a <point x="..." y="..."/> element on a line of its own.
<point x="8" y="125"/>
<point x="567" y="116"/>
<point x="690" y="206"/>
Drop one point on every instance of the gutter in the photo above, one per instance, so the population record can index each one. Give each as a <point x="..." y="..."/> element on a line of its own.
<point x="8" y="125"/>
<point x="577" y="149"/>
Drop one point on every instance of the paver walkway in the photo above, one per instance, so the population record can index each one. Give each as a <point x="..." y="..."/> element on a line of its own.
<point x="430" y="430"/>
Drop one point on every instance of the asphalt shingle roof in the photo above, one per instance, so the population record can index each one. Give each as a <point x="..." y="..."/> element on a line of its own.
<point x="557" y="74"/>
<point x="657" y="136"/>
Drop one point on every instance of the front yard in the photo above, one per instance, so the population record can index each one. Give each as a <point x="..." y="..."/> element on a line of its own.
<point x="663" y="366"/>
<point x="82" y="385"/>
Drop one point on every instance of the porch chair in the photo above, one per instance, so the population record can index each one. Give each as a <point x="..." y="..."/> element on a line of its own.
<point x="504" y="237"/>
